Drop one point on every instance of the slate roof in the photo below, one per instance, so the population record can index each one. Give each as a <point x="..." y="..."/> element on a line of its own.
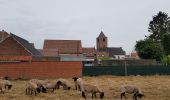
<point x="64" y="46"/>
<point x="28" y="46"/>
<point x="101" y="34"/>
<point x="112" y="51"/>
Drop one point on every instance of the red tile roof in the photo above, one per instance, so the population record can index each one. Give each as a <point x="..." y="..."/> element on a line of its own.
<point x="49" y="52"/>
<point x="64" y="46"/>
<point x="89" y="52"/>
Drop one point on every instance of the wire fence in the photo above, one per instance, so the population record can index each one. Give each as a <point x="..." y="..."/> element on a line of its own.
<point x="124" y="70"/>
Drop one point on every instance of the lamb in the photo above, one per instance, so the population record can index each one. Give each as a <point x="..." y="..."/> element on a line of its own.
<point x="32" y="87"/>
<point x="88" y="88"/>
<point x="64" y="83"/>
<point x="131" y="90"/>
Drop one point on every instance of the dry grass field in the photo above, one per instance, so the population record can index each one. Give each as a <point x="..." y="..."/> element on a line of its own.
<point x="154" y="87"/>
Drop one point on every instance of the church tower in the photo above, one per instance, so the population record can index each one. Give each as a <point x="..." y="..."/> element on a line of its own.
<point x="101" y="41"/>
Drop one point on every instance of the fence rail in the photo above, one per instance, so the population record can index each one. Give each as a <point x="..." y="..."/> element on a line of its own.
<point x="126" y="70"/>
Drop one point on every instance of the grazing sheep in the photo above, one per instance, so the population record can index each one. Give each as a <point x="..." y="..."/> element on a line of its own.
<point x="50" y="85"/>
<point x="131" y="90"/>
<point x="32" y="87"/>
<point x="8" y="84"/>
<point x="88" y="88"/>
<point x="40" y="84"/>
<point x="64" y="83"/>
<point x="5" y="85"/>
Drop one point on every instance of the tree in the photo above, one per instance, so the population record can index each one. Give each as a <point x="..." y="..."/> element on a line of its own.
<point x="166" y="60"/>
<point x="159" y="26"/>
<point x="166" y="44"/>
<point x="149" y="49"/>
<point x="157" y="44"/>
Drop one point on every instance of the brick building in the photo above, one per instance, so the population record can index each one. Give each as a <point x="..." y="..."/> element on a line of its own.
<point x="68" y="50"/>
<point x="89" y="54"/>
<point x="15" y="48"/>
<point x="104" y="51"/>
<point x="20" y="59"/>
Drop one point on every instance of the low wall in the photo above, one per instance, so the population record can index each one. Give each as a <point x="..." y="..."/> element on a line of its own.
<point x="40" y="69"/>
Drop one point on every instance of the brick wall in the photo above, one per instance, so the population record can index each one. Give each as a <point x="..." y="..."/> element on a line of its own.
<point x="15" y="58"/>
<point x="41" y="69"/>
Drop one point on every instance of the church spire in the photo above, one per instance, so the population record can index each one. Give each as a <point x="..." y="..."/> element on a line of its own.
<point x="101" y="41"/>
<point x="101" y="34"/>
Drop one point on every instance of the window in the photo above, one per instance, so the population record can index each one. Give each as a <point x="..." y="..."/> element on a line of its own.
<point x="103" y="39"/>
<point x="98" y="40"/>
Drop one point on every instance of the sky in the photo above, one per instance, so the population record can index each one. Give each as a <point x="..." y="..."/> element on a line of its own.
<point x="123" y="21"/>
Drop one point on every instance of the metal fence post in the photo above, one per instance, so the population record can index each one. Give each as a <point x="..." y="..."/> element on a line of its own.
<point x="125" y="69"/>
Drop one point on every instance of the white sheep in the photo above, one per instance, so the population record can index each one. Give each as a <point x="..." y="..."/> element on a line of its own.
<point x="78" y="83"/>
<point x="5" y="85"/>
<point x="64" y="83"/>
<point x="32" y="87"/>
<point x="40" y="84"/>
<point x="131" y="90"/>
<point x="51" y="85"/>
<point x="88" y="88"/>
<point x="8" y="84"/>
<point x="2" y="87"/>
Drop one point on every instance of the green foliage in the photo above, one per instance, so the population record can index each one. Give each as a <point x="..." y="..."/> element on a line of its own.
<point x="149" y="49"/>
<point x="157" y="44"/>
<point x="159" y="26"/>
<point x="166" y="43"/>
<point x="166" y="59"/>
